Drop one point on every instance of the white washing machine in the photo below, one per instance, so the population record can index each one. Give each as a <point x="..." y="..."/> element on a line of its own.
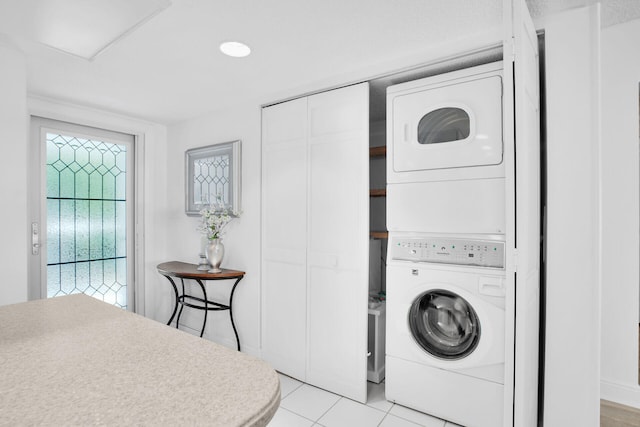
<point x="445" y="170"/>
<point x="445" y="340"/>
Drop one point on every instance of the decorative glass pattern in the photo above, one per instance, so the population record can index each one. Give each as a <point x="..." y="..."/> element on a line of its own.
<point x="86" y="218"/>
<point x="211" y="180"/>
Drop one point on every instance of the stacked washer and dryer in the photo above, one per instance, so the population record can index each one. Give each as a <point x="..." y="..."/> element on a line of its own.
<point x="445" y="338"/>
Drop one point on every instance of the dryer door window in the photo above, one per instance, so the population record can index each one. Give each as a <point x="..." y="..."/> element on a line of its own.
<point x="444" y="125"/>
<point x="444" y="324"/>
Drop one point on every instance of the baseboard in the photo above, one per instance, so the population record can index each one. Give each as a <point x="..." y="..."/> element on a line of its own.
<point x="620" y="393"/>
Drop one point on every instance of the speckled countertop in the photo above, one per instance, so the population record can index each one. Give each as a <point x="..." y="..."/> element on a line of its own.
<point x="74" y="360"/>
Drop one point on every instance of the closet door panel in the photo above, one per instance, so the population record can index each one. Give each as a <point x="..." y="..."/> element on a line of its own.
<point x="284" y="123"/>
<point x="284" y="229"/>
<point x="334" y="356"/>
<point x="285" y="206"/>
<point x="521" y="104"/>
<point x="284" y="317"/>
<point x="338" y="230"/>
<point x="528" y="231"/>
<point x="342" y="119"/>
<point x="334" y="203"/>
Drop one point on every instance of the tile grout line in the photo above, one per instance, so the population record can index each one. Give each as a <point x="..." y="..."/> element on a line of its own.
<point x="330" y="408"/>
<point x="290" y="393"/>
<point x="316" y="421"/>
<point x="402" y="418"/>
<point x="307" y="418"/>
<point x="383" y="418"/>
<point x="295" y="413"/>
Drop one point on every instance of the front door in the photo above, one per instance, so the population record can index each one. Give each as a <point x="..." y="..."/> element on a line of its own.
<point x="82" y="227"/>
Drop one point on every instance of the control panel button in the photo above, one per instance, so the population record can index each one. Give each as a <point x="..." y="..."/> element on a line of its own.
<point x="449" y="251"/>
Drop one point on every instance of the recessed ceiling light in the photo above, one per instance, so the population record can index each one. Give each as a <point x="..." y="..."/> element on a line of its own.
<point x="235" y="49"/>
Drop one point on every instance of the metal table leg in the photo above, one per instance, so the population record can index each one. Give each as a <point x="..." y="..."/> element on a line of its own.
<point x="206" y="306"/>
<point x="181" y="305"/>
<point x="233" y="325"/>
<point x="175" y="291"/>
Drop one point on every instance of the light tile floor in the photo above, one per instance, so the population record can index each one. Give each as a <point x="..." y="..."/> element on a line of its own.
<point x="303" y="405"/>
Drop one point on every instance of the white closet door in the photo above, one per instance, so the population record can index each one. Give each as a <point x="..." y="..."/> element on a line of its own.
<point x="284" y="231"/>
<point x="338" y="230"/>
<point x="521" y="73"/>
<point x="528" y="217"/>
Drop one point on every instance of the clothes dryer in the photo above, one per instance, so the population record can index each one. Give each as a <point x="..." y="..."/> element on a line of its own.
<point x="445" y="338"/>
<point x="446" y="127"/>
<point x="445" y="169"/>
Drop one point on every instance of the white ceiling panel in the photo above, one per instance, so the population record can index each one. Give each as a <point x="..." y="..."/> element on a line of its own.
<point x="83" y="28"/>
<point x="165" y="64"/>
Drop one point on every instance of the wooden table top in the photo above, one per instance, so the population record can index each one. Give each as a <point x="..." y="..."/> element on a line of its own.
<point x="186" y="270"/>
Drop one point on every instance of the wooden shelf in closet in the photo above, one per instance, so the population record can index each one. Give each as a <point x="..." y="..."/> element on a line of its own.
<point x="378" y="192"/>
<point x="379" y="234"/>
<point x="378" y="151"/>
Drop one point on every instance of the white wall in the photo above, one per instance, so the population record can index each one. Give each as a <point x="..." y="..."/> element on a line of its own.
<point x="572" y="351"/>
<point x="13" y="174"/>
<point x="620" y="213"/>
<point x="242" y="239"/>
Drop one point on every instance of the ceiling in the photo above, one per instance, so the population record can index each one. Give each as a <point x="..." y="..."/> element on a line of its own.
<point x="158" y="60"/>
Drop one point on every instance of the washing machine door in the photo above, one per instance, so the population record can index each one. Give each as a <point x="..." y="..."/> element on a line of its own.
<point x="444" y="324"/>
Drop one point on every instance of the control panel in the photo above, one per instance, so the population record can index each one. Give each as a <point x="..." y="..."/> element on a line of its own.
<point x="482" y="253"/>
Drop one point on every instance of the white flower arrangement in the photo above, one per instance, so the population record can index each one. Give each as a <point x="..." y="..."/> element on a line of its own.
<point x="214" y="218"/>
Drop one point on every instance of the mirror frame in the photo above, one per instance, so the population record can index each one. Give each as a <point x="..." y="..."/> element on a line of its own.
<point x="232" y="148"/>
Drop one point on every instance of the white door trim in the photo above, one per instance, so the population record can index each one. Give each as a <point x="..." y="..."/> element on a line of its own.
<point x="144" y="132"/>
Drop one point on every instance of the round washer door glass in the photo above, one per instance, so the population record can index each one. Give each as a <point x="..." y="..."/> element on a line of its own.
<point x="444" y="324"/>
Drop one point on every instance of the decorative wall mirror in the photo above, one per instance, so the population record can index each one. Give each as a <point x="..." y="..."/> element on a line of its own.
<point x="212" y="174"/>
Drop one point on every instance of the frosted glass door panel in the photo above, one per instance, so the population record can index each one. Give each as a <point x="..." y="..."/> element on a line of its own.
<point x="86" y="202"/>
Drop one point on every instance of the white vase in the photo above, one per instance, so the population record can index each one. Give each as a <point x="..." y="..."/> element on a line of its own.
<point x="215" y="253"/>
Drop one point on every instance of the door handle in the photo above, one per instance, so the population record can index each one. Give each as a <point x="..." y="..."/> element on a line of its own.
<point x="35" y="238"/>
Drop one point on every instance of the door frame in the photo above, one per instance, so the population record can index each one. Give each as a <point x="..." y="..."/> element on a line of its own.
<point x="142" y="131"/>
<point x="522" y="161"/>
<point x="39" y="127"/>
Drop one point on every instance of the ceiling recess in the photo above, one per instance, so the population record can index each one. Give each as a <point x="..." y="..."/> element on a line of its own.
<point x="83" y="28"/>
